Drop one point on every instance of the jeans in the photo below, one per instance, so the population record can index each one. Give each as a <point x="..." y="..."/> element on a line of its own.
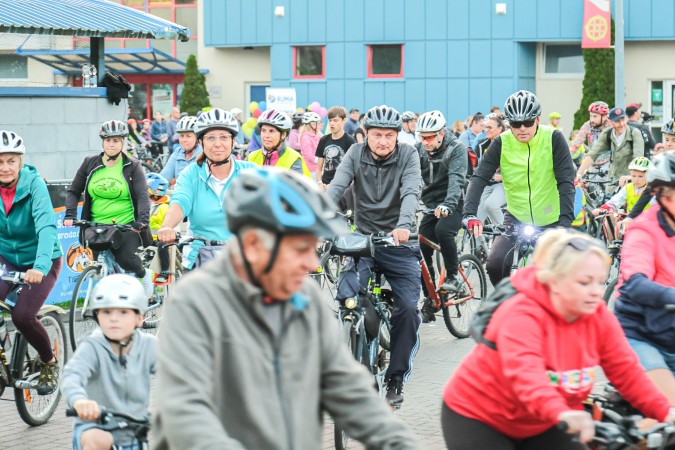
<point x="651" y="357"/>
<point x="401" y="267"/>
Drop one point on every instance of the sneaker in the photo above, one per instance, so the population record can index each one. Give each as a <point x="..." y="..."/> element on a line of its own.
<point x="428" y="312"/>
<point x="163" y="278"/>
<point x="451" y="285"/>
<point x="147" y="282"/>
<point x="395" y="391"/>
<point x="49" y="378"/>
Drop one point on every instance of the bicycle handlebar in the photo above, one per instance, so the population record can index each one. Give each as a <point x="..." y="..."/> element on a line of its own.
<point x="181" y="241"/>
<point x="87" y="223"/>
<point x="106" y="414"/>
<point x="12" y="276"/>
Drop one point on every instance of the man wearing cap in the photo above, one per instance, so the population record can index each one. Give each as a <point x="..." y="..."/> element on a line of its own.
<point x="633" y="114"/>
<point x="625" y="143"/>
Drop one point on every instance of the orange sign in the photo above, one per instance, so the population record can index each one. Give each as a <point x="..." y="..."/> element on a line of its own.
<point x="596" y="31"/>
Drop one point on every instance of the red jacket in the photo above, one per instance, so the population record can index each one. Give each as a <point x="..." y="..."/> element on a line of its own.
<point x="544" y="365"/>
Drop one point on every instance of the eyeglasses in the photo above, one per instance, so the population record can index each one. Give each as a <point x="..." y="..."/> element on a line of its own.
<point x="224" y="138"/>
<point x="526" y="123"/>
<point x="431" y="138"/>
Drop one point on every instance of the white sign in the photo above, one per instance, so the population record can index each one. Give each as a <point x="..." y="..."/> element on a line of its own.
<point x="283" y="99"/>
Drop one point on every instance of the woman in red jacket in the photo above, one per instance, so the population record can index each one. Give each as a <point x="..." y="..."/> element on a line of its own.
<point x="549" y="336"/>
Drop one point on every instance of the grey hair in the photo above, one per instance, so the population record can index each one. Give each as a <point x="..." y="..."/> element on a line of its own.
<point x="266" y="237"/>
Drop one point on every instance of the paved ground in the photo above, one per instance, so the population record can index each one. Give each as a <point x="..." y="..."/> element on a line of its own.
<point x="439" y="354"/>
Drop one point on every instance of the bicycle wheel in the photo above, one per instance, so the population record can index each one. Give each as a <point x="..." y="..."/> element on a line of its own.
<point x="148" y="168"/>
<point x="153" y="315"/>
<point x="349" y="335"/>
<point x="608" y="296"/>
<point x="37" y="409"/>
<point x="458" y="317"/>
<point x="80" y="319"/>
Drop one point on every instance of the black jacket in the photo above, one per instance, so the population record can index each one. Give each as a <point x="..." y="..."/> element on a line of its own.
<point x="646" y="135"/>
<point x="135" y="178"/>
<point x="444" y="173"/>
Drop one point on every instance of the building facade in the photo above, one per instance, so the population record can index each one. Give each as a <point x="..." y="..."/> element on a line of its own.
<point x="459" y="56"/>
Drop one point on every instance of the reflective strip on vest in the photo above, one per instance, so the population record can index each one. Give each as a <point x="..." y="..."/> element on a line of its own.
<point x="529" y="179"/>
<point x="632" y="197"/>
<point x="285" y="161"/>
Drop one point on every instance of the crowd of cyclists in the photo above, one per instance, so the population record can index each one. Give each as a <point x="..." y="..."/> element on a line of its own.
<point x="249" y="354"/>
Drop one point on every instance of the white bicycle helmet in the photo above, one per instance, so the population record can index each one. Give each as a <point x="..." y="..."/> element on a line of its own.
<point x="119" y="290"/>
<point x="521" y="106"/>
<point x="407" y="116"/>
<point x="10" y="142"/>
<point x="186" y="124"/>
<point x="383" y="117"/>
<point x="113" y="128"/>
<point x="216" y="119"/>
<point x="661" y="172"/>
<point x="640" y="163"/>
<point x="310" y="117"/>
<point x="277" y="119"/>
<point x="431" y="122"/>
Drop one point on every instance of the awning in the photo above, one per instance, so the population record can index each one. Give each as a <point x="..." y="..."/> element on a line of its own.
<point x="85" y="18"/>
<point x="120" y="60"/>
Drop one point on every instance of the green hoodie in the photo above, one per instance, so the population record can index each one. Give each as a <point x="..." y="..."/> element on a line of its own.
<point x="28" y="237"/>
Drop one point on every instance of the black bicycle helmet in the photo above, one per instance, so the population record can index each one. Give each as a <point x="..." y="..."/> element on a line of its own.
<point x="521" y="106"/>
<point x="383" y="117"/>
<point x="282" y="202"/>
<point x="667" y="128"/>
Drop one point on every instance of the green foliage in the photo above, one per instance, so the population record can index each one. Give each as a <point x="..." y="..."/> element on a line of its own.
<point x="195" y="96"/>
<point x="598" y="80"/>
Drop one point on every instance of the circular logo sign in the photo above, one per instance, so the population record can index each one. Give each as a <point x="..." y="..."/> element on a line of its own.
<point x="78" y="257"/>
<point x="597" y="28"/>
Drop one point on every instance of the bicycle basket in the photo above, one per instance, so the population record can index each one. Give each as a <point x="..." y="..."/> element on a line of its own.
<point x="207" y="253"/>
<point x="354" y="245"/>
<point x="100" y="238"/>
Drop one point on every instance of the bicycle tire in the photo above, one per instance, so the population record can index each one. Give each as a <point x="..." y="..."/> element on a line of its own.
<point x="349" y="337"/>
<point x="78" y="326"/>
<point x="457" y="318"/>
<point x="37" y="409"/>
<point x="149" y="168"/>
<point x="609" y="293"/>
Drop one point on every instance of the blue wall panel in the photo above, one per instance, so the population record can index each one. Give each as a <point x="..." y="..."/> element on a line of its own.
<point x="335" y="93"/>
<point x="415" y="94"/>
<point x="503" y="58"/>
<point x="436" y="95"/>
<point x="479" y="95"/>
<point x="480" y="19"/>
<point x="354" y="21"/>
<point x="548" y="23"/>
<point x="480" y="58"/>
<point x="317" y="21"/>
<point x="374" y="25"/>
<point x="458" y="99"/>
<point x="458" y="59"/>
<point x="436" y="59"/>
<point x="394" y="21"/>
<point x="354" y="94"/>
<point x="263" y="25"/>
<point x="301" y="94"/>
<point x="249" y="33"/>
<point x="415" y="61"/>
<point x="502" y="25"/>
<point x="501" y="89"/>
<point x="279" y="57"/>
<point x="316" y="91"/>
<point x="335" y="60"/>
<point x="355" y="60"/>
<point x="233" y="16"/>
<point x="394" y="94"/>
<point x="457" y="25"/>
<point x="435" y="24"/>
<point x="525" y="13"/>
<point x="373" y="93"/>
<point x="571" y="20"/>
<point x="662" y="18"/>
<point x="640" y="24"/>
<point x="335" y="21"/>
<point x="414" y="20"/>
<point x="297" y="17"/>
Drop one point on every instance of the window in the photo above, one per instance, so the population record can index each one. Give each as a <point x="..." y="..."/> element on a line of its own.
<point x="309" y="62"/>
<point x="13" y="67"/>
<point x="563" y="60"/>
<point x="385" y="61"/>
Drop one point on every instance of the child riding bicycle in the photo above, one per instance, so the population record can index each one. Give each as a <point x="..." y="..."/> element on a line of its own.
<point x="112" y="366"/>
<point x="158" y="186"/>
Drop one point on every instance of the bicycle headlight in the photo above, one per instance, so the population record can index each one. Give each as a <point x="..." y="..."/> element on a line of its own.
<point x="528" y="230"/>
<point x="351" y="303"/>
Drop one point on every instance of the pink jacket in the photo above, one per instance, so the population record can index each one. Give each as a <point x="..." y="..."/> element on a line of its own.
<point x="308" y="144"/>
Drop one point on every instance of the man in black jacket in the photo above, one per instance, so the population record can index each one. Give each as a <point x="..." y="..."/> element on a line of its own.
<point x="443" y="163"/>
<point x="633" y="114"/>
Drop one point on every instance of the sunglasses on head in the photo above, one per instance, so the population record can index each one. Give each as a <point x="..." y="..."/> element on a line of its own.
<point x="527" y="123"/>
<point x="581" y="245"/>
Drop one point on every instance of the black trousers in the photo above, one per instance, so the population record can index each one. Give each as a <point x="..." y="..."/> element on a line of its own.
<point x="125" y="254"/>
<point x="462" y="433"/>
<point x="443" y="232"/>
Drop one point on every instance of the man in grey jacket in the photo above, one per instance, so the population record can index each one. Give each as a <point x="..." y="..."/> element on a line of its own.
<point x="250" y="355"/>
<point x="386" y="178"/>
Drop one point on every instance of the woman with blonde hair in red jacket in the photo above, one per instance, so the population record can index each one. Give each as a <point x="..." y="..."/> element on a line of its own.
<point x="549" y="336"/>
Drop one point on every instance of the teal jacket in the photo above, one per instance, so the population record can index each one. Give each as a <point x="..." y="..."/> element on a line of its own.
<point x="28" y="237"/>
<point x="202" y="205"/>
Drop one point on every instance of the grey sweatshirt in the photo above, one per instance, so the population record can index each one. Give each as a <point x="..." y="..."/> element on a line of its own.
<point x="228" y="382"/>
<point x="95" y="373"/>
<point x="386" y="192"/>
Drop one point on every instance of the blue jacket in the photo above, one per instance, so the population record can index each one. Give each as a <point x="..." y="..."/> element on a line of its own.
<point x="28" y="236"/>
<point x="200" y="203"/>
<point x="157" y="129"/>
<point x="177" y="162"/>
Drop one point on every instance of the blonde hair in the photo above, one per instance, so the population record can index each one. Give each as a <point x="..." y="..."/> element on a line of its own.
<point x="556" y="258"/>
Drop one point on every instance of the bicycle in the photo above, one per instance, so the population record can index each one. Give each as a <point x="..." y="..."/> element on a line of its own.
<point x="111" y="421"/>
<point x="22" y="371"/>
<point x="365" y="319"/>
<point x="458" y="307"/>
<point x="526" y="239"/>
<point x="81" y="318"/>
<point x="152" y="158"/>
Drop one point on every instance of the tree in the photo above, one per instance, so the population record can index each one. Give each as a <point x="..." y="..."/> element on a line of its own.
<point x="598" y="79"/>
<point x="195" y="96"/>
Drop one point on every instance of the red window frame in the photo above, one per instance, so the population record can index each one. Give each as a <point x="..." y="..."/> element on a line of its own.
<point x="369" y="62"/>
<point x="306" y="77"/>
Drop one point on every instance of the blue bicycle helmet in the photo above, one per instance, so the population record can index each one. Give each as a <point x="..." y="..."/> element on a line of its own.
<point x="157" y="184"/>
<point x="282" y="202"/>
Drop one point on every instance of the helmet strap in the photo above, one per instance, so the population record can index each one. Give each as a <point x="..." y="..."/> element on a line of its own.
<point x="10" y="184"/>
<point x="112" y="158"/>
<point x="123" y="345"/>
<point x="275" y="252"/>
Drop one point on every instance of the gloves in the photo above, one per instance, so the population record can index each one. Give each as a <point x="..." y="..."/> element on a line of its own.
<point x="444" y="210"/>
<point x="606" y="207"/>
<point x="471" y="221"/>
<point x="138" y="226"/>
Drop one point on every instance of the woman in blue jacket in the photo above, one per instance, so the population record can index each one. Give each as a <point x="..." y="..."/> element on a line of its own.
<point x="28" y="243"/>
<point x="202" y="187"/>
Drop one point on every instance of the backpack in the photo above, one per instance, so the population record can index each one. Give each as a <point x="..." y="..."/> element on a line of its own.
<point x="118" y="87"/>
<point x="480" y="321"/>
<point x="630" y="128"/>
